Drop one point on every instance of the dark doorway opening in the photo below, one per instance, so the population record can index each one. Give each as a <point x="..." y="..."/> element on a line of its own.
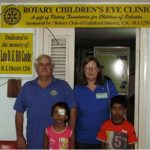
<point x="88" y="38"/>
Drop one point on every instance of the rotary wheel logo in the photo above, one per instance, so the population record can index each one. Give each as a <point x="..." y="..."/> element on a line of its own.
<point x="12" y="16"/>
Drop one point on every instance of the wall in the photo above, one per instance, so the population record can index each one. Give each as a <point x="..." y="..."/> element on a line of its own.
<point x="148" y="97"/>
<point x="7" y="114"/>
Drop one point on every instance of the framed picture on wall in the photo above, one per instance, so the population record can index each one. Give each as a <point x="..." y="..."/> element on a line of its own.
<point x="115" y="65"/>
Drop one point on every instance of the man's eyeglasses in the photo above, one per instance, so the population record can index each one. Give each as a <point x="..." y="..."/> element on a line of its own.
<point x="44" y="65"/>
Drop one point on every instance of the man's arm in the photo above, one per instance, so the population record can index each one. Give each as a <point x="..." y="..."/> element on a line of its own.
<point x="45" y="141"/>
<point x="21" y="142"/>
<point x="72" y="141"/>
<point x="73" y="117"/>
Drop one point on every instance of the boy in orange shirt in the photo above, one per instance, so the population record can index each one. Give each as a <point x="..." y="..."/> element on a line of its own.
<point x="117" y="132"/>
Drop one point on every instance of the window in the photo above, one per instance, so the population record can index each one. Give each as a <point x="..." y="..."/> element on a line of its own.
<point x="59" y="44"/>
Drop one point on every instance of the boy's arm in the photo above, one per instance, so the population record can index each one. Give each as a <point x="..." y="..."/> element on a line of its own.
<point x="132" y="138"/>
<point x="131" y="146"/>
<point x="45" y="141"/>
<point x="103" y="145"/>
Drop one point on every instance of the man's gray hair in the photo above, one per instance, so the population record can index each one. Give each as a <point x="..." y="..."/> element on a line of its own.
<point x="38" y="59"/>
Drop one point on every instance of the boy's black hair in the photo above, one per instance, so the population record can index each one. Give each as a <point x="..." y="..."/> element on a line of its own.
<point x="62" y="105"/>
<point x="119" y="99"/>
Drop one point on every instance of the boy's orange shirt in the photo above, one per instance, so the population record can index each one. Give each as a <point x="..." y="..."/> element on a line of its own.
<point x="117" y="135"/>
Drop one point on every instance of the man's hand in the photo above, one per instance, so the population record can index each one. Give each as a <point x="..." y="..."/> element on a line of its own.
<point x="21" y="143"/>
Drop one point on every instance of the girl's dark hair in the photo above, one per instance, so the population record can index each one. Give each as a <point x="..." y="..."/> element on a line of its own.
<point x="120" y="99"/>
<point x="62" y="105"/>
<point x="99" y="80"/>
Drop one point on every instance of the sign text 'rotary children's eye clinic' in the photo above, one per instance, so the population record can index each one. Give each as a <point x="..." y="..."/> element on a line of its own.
<point x="78" y="15"/>
<point x="87" y="9"/>
<point x="16" y="53"/>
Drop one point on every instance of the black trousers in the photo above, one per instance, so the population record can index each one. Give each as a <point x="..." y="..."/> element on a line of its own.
<point x="87" y="146"/>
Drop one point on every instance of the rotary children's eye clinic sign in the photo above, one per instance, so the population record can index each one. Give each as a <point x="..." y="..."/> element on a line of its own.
<point x="16" y="53"/>
<point x="76" y="15"/>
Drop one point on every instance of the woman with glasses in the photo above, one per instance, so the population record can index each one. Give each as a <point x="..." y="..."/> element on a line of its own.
<point x="92" y="94"/>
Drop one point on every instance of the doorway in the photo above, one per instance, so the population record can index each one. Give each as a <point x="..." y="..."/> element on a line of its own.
<point x="88" y="38"/>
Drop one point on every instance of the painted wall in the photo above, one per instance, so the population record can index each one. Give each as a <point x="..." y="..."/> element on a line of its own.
<point x="148" y="97"/>
<point x="7" y="113"/>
